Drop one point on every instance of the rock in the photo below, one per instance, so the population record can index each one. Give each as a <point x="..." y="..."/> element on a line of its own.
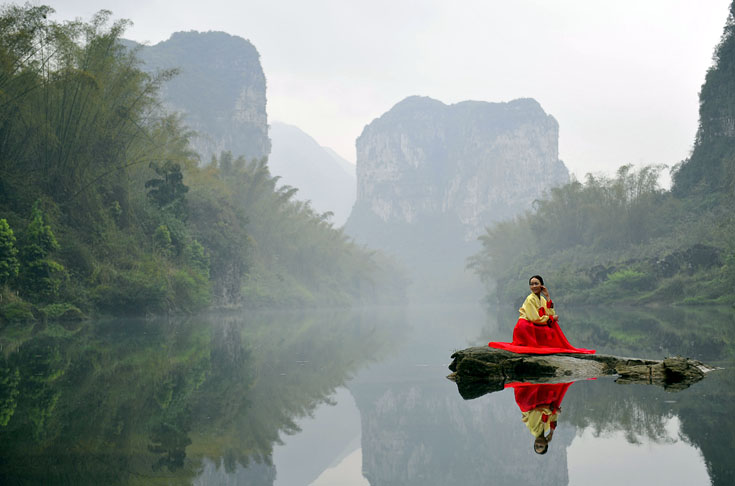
<point x="219" y="90"/>
<point x="431" y="177"/>
<point x="481" y="370"/>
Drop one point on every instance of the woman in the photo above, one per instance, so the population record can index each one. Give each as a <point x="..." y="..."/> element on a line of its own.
<point x="537" y="330"/>
<point x="540" y="406"/>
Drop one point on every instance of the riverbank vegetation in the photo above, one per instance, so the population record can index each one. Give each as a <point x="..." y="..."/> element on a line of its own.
<point x="104" y="208"/>
<point x="624" y="239"/>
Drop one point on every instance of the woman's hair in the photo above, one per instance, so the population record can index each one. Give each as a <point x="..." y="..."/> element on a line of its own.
<point x="538" y="277"/>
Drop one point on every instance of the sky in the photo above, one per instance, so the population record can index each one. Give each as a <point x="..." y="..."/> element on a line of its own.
<point x="622" y="78"/>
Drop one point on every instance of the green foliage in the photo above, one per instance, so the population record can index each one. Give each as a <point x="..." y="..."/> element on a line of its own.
<point x="62" y="312"/>
<point x="138" y="226"/>
<point x="197" y="257"/>
<point x="631" y="241"/>
<point x="9" y="379"/>
<point x="621" y="239"/>
<point x="298" y="257"/>
<point x="626" y="281"/>
<point x="40" y="277"/>
<point x="711" y="167"/>
<point x="168" y="190"/>
<point x="160" y="396"/>
<point x="38" y="240"/>
<point x="162" y="240"/>
<point x="190" y="290"/>
<point x="8" y="253"/>
<point x="141" y="290"/>
<point x="16" y="311"/>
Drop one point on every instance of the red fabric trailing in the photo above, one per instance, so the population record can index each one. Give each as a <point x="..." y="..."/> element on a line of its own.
<point x="531" y="395"/>
<point x="531" y="339"/>
<point x="542" y="312"/>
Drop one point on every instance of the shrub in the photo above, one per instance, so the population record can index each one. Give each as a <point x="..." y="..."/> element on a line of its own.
<point x="17" y="311"/>
<point x="62" y="312"/>
<point x="190" y="290"/>
<point x="136" y="292"/>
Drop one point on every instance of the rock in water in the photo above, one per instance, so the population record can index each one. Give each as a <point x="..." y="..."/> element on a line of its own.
<point x="482" y="369"/>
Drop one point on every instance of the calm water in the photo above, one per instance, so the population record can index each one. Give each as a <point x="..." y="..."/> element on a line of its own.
<point x="350" y="398"/>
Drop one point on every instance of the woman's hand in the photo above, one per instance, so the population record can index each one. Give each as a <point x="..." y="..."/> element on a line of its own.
<point x="545" y="291"/>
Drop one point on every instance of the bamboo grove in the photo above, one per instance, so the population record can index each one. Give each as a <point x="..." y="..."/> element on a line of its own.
<point x="104" y="208"/>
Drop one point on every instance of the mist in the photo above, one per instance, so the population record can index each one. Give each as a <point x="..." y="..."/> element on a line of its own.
<point x="243" y="243"/>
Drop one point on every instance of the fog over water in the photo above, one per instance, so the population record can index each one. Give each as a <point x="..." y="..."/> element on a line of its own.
<point x="348" y="398"/>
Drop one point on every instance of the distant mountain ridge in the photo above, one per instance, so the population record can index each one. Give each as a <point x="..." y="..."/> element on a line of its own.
<point x="320" y="174"/>
<point x="220" y="90"/>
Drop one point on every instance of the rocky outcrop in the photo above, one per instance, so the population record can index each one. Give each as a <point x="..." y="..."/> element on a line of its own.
<point x="481" y="370"/>
<point x="219" y="90"/>
<point x="461" y="167"/>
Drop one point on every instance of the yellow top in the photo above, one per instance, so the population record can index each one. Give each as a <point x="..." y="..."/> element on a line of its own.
<point x="535" y="423"/>
<point x="530" y="309"/>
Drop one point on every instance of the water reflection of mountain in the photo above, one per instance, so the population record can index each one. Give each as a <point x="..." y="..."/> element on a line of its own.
<point x="422" y="435"/>
<point x="203" y="401"/>
<point x="137" y="402"/>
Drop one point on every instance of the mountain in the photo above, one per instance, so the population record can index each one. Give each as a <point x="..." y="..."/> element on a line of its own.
<point x="711" y="166"/>
<point x="322" y="176"/>
<point x="219" y="90"/>
<point x="431" y="177"/>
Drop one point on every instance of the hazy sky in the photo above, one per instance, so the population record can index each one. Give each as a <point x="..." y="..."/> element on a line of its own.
<point x="622" y="78"/>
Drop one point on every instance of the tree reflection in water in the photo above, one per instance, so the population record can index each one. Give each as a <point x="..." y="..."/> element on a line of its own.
<point x="136" y="402"/>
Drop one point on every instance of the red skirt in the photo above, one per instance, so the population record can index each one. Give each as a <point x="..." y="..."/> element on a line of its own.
<point x="529" y="396"/>
<point x="529" y="338"/>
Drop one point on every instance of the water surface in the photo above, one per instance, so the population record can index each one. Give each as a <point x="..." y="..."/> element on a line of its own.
<point x="349" y="398"/>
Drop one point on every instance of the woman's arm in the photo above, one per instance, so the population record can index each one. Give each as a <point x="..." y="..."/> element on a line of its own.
<point x="530" y="311"/>
<point x="549" y="304"/>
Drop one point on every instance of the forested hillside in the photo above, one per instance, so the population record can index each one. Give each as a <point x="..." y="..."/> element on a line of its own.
<point x="104" y="207"/>
<point x="624" y="239"/>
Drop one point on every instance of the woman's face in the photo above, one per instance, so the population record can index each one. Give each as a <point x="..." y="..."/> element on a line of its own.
<point x="535" y="286"/>
<point x="540" y="445"/>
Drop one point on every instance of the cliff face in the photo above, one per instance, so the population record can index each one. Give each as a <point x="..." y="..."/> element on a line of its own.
<point x="219" y="90"/>
<point x="711" y="167"/>
<point x="461" y="167"/>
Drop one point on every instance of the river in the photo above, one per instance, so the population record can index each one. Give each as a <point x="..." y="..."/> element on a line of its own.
<point x="350" y="397"/>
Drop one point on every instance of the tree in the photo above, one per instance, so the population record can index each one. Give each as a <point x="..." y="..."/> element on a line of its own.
<point x="168" y="190"/>
<point x="8" y="253"/>
<point x="40" y="277"/>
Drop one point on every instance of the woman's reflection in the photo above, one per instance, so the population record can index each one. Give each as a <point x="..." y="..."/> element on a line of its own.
<point x="540" y="406"/>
